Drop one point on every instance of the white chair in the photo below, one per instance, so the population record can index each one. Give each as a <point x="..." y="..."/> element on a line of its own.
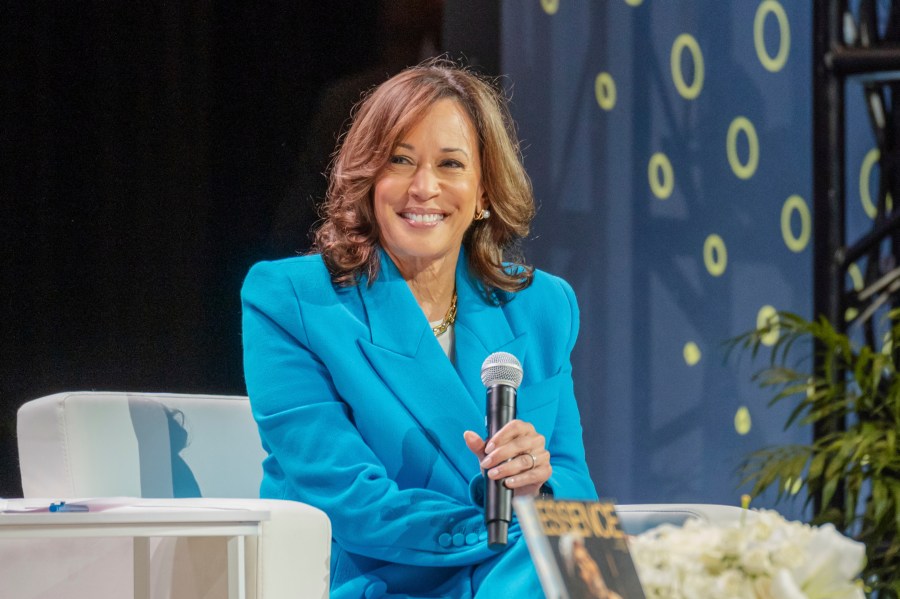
<point x="90" y="444"/>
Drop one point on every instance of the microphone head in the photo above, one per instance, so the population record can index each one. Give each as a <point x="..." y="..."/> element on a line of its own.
<point x="501" y="368"/>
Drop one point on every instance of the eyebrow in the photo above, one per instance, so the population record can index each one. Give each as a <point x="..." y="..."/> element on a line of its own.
<point x="445" y="150"/>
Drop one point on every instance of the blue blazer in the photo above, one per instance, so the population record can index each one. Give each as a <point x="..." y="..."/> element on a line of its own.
<point x="362" y="414"/>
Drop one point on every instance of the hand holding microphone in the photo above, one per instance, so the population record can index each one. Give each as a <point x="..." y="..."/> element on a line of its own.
<point x="514" y="458"/>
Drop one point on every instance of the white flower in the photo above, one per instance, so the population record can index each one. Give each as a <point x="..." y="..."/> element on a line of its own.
<point x="785" y="587"/>
<point x="762" y="557"/>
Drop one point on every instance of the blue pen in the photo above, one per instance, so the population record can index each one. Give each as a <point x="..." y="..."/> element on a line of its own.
<point x="62" y="506"/>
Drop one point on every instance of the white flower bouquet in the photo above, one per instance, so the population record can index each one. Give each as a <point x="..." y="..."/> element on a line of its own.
<point x="762" y="557"/>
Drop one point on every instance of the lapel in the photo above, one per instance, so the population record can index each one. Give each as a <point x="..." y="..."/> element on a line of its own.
<point x="406" y="356"/>
<point x="481" y="329"/>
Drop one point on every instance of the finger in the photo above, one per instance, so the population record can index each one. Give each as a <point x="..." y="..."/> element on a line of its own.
<point x="519" y="464"/>
<point x="531" y="443"/>
<point x="509" y="431"/>
<point x="475" y="444"/>
<point x="530" y="478"/>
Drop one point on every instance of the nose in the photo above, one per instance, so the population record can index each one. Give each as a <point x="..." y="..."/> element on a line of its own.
<point x="424" y="185"/>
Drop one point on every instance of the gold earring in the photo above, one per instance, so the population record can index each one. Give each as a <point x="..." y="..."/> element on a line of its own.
<point x="483" y="215"/>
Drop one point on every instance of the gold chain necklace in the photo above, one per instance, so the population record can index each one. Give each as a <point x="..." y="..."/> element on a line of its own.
<point x="449" y="319"/>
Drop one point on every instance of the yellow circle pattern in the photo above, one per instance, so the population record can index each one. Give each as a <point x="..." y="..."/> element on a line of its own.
<point x="742" y="421"/>
<point x="865" y="194"/>
<point x="856" y="279"/>
<point x="691" y="353"/>
<point x="739" y="124"/>
<point x="662" y="180"/>
<point x="865" y="172"/>
<point x="768" y="316"/>
<point x="661" y="176"/>
<point x="796" y="243"/>
<point x="715" y="256"/>
<point x="686" y="40"/>
<point x="855" y="276"/>
<point x="550" y="6"/>
<point x="605" y="91"/>
<point x="784" y="28"/>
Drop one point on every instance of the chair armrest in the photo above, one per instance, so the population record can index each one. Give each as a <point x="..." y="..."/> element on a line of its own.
<point x="293" y="551"/>
<point x="291" y="558"/>
<point x="637" y="518"/>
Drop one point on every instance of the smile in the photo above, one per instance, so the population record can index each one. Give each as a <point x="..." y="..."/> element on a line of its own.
<point x="422" y="218"/>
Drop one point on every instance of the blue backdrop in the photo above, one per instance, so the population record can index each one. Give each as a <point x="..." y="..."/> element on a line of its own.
<point x="669" y="144"/>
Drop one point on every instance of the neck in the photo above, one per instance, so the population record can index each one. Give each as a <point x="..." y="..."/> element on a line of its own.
<point x="432" y="283"/>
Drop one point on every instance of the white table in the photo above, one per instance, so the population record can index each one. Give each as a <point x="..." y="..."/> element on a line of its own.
<point x="142" y="519"/>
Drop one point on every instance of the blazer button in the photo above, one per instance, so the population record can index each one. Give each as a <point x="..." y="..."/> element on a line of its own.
<point x="377" y="589"/>
<point x="482" y="536"/>
<point x="459" y="539"/>
<point x="444" y="540"/>
<point x="471" y="538"/>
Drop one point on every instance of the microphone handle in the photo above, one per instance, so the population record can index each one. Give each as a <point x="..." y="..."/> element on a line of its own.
<point x="501" y="408"/>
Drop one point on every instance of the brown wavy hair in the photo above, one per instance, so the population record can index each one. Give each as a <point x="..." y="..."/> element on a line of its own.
<point x="348" y="239"/>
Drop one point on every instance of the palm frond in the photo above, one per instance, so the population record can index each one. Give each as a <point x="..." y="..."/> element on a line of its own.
<point x="834" y="380"/>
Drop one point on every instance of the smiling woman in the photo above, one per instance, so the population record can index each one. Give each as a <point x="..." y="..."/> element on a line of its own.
<point x="348" y="239"/>
<point x="362" y="361"/>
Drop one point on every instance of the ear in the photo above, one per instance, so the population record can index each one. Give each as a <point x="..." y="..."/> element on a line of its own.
<point x="482" y="202"/>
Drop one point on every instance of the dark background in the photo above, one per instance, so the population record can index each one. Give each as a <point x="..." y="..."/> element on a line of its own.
<point x="149" y="154"/>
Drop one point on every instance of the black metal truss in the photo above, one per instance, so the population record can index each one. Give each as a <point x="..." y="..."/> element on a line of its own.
<point x="860" y="42"/>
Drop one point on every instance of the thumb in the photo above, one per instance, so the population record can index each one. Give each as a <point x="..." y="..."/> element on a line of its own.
<point x="475" y="444"/>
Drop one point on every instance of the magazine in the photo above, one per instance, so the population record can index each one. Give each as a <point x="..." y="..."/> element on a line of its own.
<point x="578" y="548"/>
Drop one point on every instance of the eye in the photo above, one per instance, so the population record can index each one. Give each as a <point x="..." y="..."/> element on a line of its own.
<point x="452" y="163"/>
<point x="400" y="159"/>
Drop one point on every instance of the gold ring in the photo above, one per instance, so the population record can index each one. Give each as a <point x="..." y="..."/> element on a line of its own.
<point x="533" y="460"/>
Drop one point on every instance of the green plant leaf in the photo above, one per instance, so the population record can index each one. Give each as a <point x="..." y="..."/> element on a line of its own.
<point x="850" y="393"/>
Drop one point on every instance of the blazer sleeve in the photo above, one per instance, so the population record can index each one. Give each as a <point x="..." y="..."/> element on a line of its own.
<point x="307" y="428"/>
<point x="570" y="478"/>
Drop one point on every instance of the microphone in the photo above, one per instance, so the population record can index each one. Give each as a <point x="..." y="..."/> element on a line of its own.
<point x="501" y="373"/>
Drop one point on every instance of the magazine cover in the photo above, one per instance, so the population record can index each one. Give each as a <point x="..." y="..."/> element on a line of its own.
<point x="578" y="549"/>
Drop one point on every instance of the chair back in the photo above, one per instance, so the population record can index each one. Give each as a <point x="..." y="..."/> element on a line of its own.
<point x="91" y="444"/>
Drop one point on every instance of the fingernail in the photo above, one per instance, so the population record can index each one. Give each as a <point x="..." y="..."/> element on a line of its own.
<point x="490" y="447"/>
<point x="486" y="462"/>
<point x="494" y="472"/>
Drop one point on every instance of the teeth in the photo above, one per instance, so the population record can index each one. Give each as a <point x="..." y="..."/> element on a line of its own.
<point x="423" y="218"/>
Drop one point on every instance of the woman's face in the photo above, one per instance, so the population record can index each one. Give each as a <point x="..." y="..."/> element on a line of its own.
<point x="427" y="195"/>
